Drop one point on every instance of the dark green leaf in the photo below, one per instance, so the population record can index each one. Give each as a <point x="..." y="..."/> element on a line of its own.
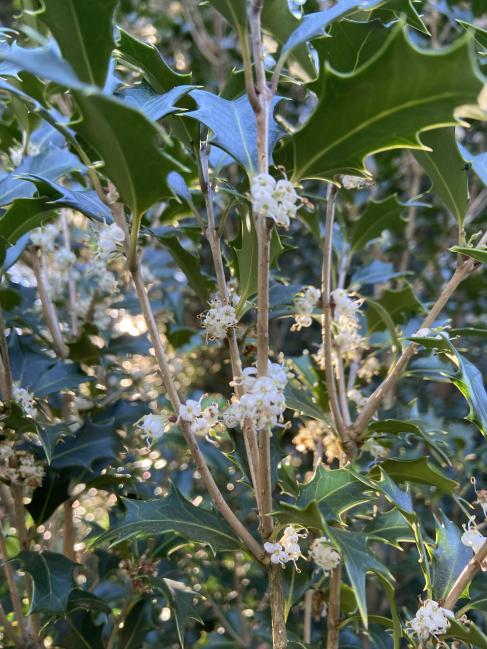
<point x="51" y="164"/>
<point x="391" y="527"/>
<point x="234" y="11"/>
<point x="396" y="618"/>
<point x="84" y="599"/>
<point x="16" y="420"/>
<point x="419" y="471"/>
<point x="444" y="166"/>
<point x="24" y="215"/>
<point x="469" y="381"/>
<point x="295" y="584"/>
<point x="309" y="515"/>
<point x="49" y="435"/>
<point x="155" y="106"/>
<point x="180" y="599"/>
<point x="244" y="261"/>
<point x="172" y="513"/>
<point x="402" y="10"/>
<point x="84" y="33"/>
<point x="52" y="576"/>
<point x="179" y="187"/>
<point x="27" y="364"/>
<point x="471" y="634"/>
<point x="131" y="636"/>
<point x="59" y="378"/>
<point x="341" y="132"/>
<point x="47" y="498"/>
<point x="378" y="216"/>
<point x="13" y="252"/>
<point x="300" y="399"/>
<point x="126" y="141"/>
<point x="449" y="557"/>
<point x="474" y="253"/>
<point x="189" y="264"/>
<point x="84" y="350"/>
<point x="9" y="298"/>
<point x="78" y="631"/>
<point x="234" y="126"/>
<point x="398" y="304"/>
<point x="91" y="442"/>
<point x="126" y="344"/>
<point x="480" y="35"/>
<point x="377" y="272"/>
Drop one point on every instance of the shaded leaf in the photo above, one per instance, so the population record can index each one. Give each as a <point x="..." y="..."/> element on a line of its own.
<point x="449" y="558"/>
<point x="60" y="378"/>
<point x="131" y="636"/>
<point x="398" y="304"/>
<point x="377" y="272"/>
<point x="300" y="400"/>
<point x="127" y="344"/>
<point x="391" y="527"/>
<point x="52" y="576"/>
<point x="189" y="264"/>
<point x="419" y="470"/>
<point x="47" y="498"/>
<point x="180" y="599"/>
<point x="295" y="584"/>
<point x="378" y="216"/>
<point x="172" y="513"/>
<point x="9" y="298"/>
<point x="155" y="106"/>
<point x="84" y="33"/>
<point x="83" y="350"/>
<point x="91" y="442"/>
<point x="84" y="599"/>
<point x="49" y="435"/>
<point x="24" y="215"/>
<point x="78" y="631"/>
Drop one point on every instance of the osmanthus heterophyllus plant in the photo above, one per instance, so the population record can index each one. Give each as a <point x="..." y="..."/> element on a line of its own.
<point x="225" y="277"/>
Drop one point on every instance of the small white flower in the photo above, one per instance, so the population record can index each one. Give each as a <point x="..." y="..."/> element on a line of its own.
<point x="25" y="399"/>
<point x="325" y="556"/>
<point x="278" y="555"/>
<point x="472" y="537"/>
<point x="190" y="410"/>
<point x="422" y="333"/>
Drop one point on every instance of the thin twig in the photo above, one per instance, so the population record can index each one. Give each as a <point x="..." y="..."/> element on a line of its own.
<point x="12" y="586"/>
<point x="48" y="308"/>
<point x="308" y="611"/>
<point x="466" y="576"/>
<point x="254" y="548"/>
<point x="7" y="370"/>
<point x="71" y="283"/>
<point x="68" y="531"/>
<point x="10" y="630"/>
<point x="119" y="619"/>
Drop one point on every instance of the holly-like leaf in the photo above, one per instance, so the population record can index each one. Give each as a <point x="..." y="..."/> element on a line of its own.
<point x="52" y="577"/>
<point x="47" y="498"/>
<point x="172" y="514"/>
<point x="480" y="35"/>
<point x="24" y="215"/>
<point x="16" y="420"/>
<point x="402" y="10"/>
<point x="91" y="442"/>
<point x="126" y="344"/>
<point x="341" y="132"/>
<point x="27" y="364"/>
<point x="336" y="491"/>
<point x="84" y="599"/>
<point x="233" y="126"/>
<point x="51" y="164"/>
<point x="301" y="400"/>
<point x="469" y="381"/>
<point x="377" y="272"/>
<point x="180" y="599"/>
<point x="131" y="636"/>
<point x="295" y="584"/>
<point x="391" y="527"/>
<point x="244" y="260"/>
<point x="125" y="138"/>
<point x="148" y="58"/>
<point x="155" y="106"/>
<point x="86" y="202"/>
<point x="475" y="253"/>
<point x="83" y="350"/>
<point x="313" y="25"/>
<point x="444" y="165"/>
<point x="352" y="43"/>
<point x="358" y="559"/>
<point x="396" y="427"/>
<point x="378" y="216"/>
<point x="49" y="435"/>
<point x="471" y="635"/>
<point x="189" y="264"/>
<point x="84" y="33"/>
<point x="419" y="471"/>
<point x="9" y="299"/>
<point x="234" y="11"/>
<point x="397" y="304"/>
<point x="60" y="378"/>
<point x="449" y="557"/>
<point x="78" y="631"/>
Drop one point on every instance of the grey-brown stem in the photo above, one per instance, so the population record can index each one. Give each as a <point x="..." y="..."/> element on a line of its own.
<point x="12" y="587"/>
<point x="71" y="282"/>
<point x="468" y="573"/>
<point x="68" y="531"/>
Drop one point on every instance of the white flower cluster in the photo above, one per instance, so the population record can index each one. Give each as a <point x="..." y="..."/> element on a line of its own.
<point x="276" y="200"/>
<point x="80" y="404"/>
<point x="219" y="318"/>
<point x="263" y="401"/>
<point x="357" y="397"/>
<point x="472" y="537"/>
<point x="369" y="368"/>
<point x="324" y="555"/>
<point x="431" y="620"/>
<point x="25" y="399"/>
<point x="202" y="421"/>
<point x="7" y="449"/>
<point x="17" y="152"/>
<point x="64" y="258"/>
<point x="109" y="242"/>
<point x="287" y="549"/>
<point x="154" y="426"/>
<point x="29" y="472"/>
<point x="374" y="448"/>
<point x="107" y="282"/>
<point x="305" y="304"/>
<point x="44" y="237"/>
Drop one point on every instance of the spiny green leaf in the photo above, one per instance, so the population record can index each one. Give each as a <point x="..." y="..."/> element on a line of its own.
<point x="419" y="471"/>
<point x="86" y="202"/>
<point x="91" y="442"/>
<point x="352" y="44"/>
<point x="83" y="350"/>
<point x="471" y="634"/>
<point x="397" y="304"/>
<point x="309" y="515"/>
<point x="155" y="106"/>
<point x="480" y="35"/>
<point x="60" y="378"/>
<point x="469" y="381"/>
<point x="131" y="634"/>
<point x="49" y="435"/>
<point x="180" y="599"/>
<point x="84" y="599"/>
<point x="233" y="126"/>
<point x="341" y="132"/>
<point x="396" y="618"/>
<point x="125" y="138"/>
<point x="402" y="10"/>
<point x="172" y="513"/>
<point x="47" y="498"/>
<point x="52" y="576"/>
<point x="378" y="216"/>
<point x="444" y="165"/>
<point x="84" y="32"/>
<point x="449" y="557"/>
<point x="300" y="400"/>
<point x="51" y="164"/>
<point x="391" y="527"/>
<point x="78" y="631"/>
<point x="234" y="11"/>
<point x="24" y="215"/>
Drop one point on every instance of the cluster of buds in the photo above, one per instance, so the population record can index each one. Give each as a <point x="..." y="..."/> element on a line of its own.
<point x="431" y="621"/>
<point x="324" y="555"/>
<point x="25" y="399"/>
<point x="201" y="421"/>
<point x="263" y="401"/>
<point x="372" y="446"/>
<point x="369" y="368"/>
<point x="347" y="339"/>
<point x="219" y="318"/>
<point x="44" y="237"/>
<point x="287" y="549"/>
<point x="30" y="472"/>
<point x="139" y="571"/>
<point x="109" y="242"/>
<point x="309" y="436"/>
<point x="275" y="200"/>
<point x="305" y="303"/>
